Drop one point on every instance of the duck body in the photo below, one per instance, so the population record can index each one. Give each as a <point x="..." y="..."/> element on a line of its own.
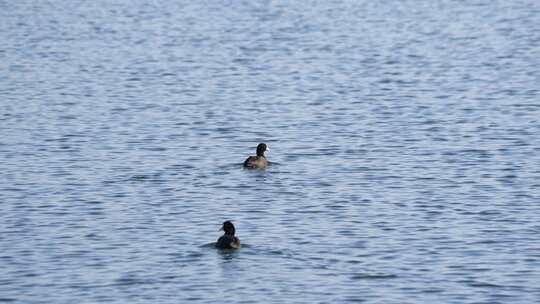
<point x="256" y="162"/>
<point x="259" y="161"/>
<point x="228" y="240"/>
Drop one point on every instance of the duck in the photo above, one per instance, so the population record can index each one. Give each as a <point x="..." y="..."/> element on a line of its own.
<point x="228" y="240"/>
<point x="259" y="161"/>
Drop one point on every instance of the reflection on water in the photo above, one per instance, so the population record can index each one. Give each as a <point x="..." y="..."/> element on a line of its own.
<point x="404" y="137"/>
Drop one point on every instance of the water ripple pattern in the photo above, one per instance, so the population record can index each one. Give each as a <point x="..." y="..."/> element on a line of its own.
<point x="405" y="137"/>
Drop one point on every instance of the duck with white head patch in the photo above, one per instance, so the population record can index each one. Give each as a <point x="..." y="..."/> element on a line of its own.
<point x="259" y="161"/>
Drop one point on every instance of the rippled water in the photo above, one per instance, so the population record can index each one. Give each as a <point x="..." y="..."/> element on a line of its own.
<point x="405" y="137"/>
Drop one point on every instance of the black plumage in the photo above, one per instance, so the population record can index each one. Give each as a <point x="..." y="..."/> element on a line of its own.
<point x="228" y="240"/>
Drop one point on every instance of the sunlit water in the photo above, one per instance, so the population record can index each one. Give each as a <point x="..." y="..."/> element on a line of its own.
<point x="405" y="136"/>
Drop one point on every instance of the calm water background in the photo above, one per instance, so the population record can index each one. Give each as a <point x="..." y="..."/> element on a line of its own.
<point x="405" y="136"/>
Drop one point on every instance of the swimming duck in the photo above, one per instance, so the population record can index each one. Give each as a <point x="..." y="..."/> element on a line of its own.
<point x="258" y="161"/>
<point x="228" y="240"/>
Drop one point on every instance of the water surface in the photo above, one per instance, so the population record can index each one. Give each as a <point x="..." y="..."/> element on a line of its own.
<point x="405" y="136"/>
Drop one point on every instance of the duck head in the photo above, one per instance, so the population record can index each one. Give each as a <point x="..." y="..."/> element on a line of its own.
<point x="261" y="148"/>
<point x="228" y="227"/>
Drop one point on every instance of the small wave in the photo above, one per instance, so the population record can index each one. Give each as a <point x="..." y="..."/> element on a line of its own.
<point x="484" y="285"/>
<point x="366" y="276"/>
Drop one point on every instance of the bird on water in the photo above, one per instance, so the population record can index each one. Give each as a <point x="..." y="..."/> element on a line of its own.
<point x="259" y="161"/>
<point x="228" y="240"/>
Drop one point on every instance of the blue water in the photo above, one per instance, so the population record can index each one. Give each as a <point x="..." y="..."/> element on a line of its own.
<point x="405" y="137"/>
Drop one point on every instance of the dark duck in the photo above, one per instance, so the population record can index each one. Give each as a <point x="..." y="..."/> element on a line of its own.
<point x="228" y="240"/>
<point x="259" y="161"/>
